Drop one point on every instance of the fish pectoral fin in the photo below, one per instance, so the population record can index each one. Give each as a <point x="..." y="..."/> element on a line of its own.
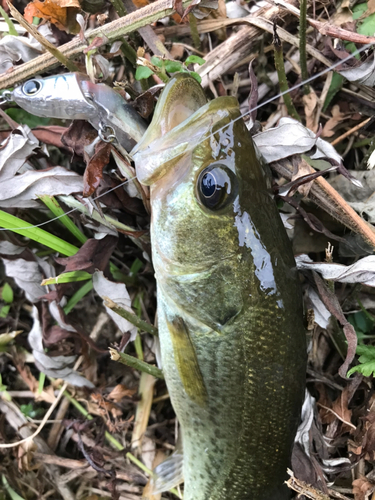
<point x="186" y="361"/>
<point x="168" y="474"/>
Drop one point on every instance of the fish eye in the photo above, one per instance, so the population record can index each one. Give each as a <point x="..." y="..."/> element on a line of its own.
<point x="216" y="186"/>
<point x="32" y="87"/>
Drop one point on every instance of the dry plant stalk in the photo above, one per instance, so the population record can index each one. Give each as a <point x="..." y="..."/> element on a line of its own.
<point x="326" y="197"/>
<point x="303" y="488"/>
<point x="108" y="33"/>
<point x="54" y="51"/>
<point x="142" y="415"/>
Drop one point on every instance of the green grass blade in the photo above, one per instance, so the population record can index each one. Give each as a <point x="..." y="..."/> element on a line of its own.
<point x="12" y="29"/>
<point x="53" y="205"/>
<point x="13" y="495"/>
<point x="69" y="277"/>
<point x="76" y="297"/>
<point x="37" y="234"/>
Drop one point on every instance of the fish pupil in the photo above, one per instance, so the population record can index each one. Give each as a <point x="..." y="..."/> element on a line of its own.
<point x="32" y="87"/>
<point x="209" y="185"/>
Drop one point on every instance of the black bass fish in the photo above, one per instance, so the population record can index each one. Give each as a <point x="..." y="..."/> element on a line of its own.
<point x="230" y="317"/>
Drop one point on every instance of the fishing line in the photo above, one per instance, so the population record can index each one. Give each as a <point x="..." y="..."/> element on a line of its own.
<point x="255" y="108"/>
<point x="70" y="211"/>
<point x="295" y="87"/>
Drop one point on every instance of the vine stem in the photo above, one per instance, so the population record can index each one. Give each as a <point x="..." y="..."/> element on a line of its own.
<point x="302" y="45"/>
<point x="136" y="363"/>
<point x="280" y="68"/>
<point x="133" y="318"/>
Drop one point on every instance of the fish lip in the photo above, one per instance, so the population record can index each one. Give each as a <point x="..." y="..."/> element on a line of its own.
<point x="180" y="140"/>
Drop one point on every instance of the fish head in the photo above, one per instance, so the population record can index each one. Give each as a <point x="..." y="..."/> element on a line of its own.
<point x="200" y="162"/>
<point x="212" y="216"/>
<point x="59" y="96"/>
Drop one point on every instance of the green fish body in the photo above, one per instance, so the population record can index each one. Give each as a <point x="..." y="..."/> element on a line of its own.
<point x="229" y="302"/>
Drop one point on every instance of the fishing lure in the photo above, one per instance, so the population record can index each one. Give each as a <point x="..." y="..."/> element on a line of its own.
<point x="73" y="96"/>
<point x="229" y="301"/>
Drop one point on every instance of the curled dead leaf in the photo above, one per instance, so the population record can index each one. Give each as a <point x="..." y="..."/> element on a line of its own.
<point x="61" y="13"/>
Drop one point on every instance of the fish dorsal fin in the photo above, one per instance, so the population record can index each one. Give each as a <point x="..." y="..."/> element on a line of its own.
<point x="168" y="474"/>
<point x="186" y="361"/>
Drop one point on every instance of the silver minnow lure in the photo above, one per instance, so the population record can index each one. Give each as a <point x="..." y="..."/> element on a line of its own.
<point x="73" y="96"/>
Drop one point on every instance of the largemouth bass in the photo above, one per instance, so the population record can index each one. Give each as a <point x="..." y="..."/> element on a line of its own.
<point x="73" y="96"/>
<point x="229" y="302"/>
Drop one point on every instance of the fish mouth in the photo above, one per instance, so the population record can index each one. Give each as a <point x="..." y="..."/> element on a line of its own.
<point x="169" y="138"/>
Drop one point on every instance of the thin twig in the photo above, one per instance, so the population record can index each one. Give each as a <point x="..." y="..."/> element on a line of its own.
<point x="351" y="131"/>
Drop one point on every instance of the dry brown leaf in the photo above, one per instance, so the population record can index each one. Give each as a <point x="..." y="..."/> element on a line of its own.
<point x="121" y="391"/>
<point x="370" y="7"/>
<point x="222" y="10"/>
<point x="337" y="117"/>
<point x="343" y="14"/>
<point x="362" y="488"/>
<point x="62" y="13"/>
<point x="303" y="168"/>
<point x="340" y="407"/>
<point x="177" y="51"/>
<point x="310" y="103"/>
<point x="95" y="165"/>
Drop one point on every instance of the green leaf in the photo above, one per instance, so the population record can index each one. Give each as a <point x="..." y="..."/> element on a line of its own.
<point x="69" y="277"/>
<point x="156" y="61"/>
<point x="194" y="60"/>
<point x="336" y="84"/>
<point x="77" y="296"/>
<point x="12" y="29"/>
<point x="136" y="266"/>
<point x="143" y="72"/>
<point x="173" y="66"/>
<point x="317" y="164"/>
<point x="30" y="411"/>
<point x="358" y="10"/>
<point x="366" y="350"/>
<point x="365" y="26"/>
<point x="366" y="359"/>
<point x="7" y="293"/>
<point x="4" y="311"/>
<point x="3" y="390"/>
<point x="26" y="118"/>
<point x="367" y="369"/>
<point x="196" y="76"/>
<point x="54" y="206"/>
<point x="19" y="226"/>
